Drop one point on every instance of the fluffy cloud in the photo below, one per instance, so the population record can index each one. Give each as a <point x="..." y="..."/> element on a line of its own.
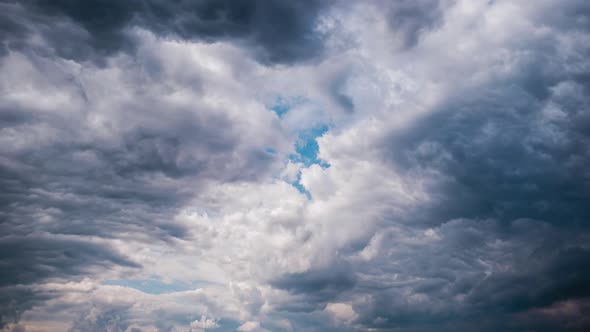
<point x="309" y="166"/>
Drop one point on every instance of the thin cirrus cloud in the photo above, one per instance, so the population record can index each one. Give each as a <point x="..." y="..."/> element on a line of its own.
<point x="294" y="166"/>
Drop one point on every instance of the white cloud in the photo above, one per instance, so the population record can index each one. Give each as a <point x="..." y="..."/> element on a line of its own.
<point x="251" y="327"/>
<point x="342" y="311"/>
<point x="204" y="323"/>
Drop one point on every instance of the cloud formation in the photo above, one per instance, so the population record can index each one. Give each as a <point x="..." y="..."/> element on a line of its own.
<point x="277" y="31"/>
<point x="294" y="166"/>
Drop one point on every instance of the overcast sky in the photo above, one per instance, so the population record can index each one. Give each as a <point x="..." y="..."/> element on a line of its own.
<point x="294" y="166"/>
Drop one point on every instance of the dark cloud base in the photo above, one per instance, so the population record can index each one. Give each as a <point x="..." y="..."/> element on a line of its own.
<point x="278" y="32"/>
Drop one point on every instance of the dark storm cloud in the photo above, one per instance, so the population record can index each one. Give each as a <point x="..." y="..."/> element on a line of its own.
<point x="318" y="285"/>
<point x="514" y="148"/>
<point x="277" y="31"/>
<point x="551" y="275"/>
<point x="12" y="31"/>
<point x="38" y="258"/>
<point x="30" y="259"/>
<point x="474" y="271"/>
<point x="14" y="300"/>
<point x="502" y="153"/>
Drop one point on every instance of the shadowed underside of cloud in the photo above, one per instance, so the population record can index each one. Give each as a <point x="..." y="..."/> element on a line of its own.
<point x="409" y="19"/>
<point x="277" y="31"/>
<point x="428" y="172"/>
<point x="503" y="154"/>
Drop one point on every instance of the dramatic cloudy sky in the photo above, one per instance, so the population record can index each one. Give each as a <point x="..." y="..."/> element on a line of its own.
<point x="281" y="165"/>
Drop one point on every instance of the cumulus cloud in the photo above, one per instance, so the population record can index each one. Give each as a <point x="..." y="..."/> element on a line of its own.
<point x="341" y="311"/>
<point x="204" y="324"/>
<point x="294" y="166"/>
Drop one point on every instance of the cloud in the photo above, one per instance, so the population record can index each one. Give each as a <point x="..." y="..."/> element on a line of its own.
<point x="249" y="326"/>
<point x="309" y="166"/>
<point x="341" y="311"/>
<point x="276" y="31"/>
<point x="204" y="323"/>
<point x="322" y="285"/>
<point x="409" y="19"/>
<point x="90" y="163"/>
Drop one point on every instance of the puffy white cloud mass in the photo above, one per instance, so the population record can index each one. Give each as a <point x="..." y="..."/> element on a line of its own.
<point x="276" y="165"/>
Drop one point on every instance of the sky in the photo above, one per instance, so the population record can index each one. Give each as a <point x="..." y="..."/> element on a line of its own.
<point x="294" y="166"/>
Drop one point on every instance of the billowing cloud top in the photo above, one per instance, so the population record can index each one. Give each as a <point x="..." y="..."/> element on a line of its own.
<point x="275" y="165"/>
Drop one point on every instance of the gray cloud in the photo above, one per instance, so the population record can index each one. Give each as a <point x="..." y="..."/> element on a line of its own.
<point x="318" y="285"/>
<point x="410" y="19"/>
<point x="34" y="258"/>
<point x="501" y="152"/>
<point x="477" y="271"/>
<point x="277" y="31"/>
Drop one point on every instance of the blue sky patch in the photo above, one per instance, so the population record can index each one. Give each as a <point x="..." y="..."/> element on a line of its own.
<point x="307" y="147"/>
<point x="282" y="105"/>
<point x="297" y="184"/>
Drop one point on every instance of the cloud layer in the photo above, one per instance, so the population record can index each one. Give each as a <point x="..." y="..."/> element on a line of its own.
<point x="294" y="166"/>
